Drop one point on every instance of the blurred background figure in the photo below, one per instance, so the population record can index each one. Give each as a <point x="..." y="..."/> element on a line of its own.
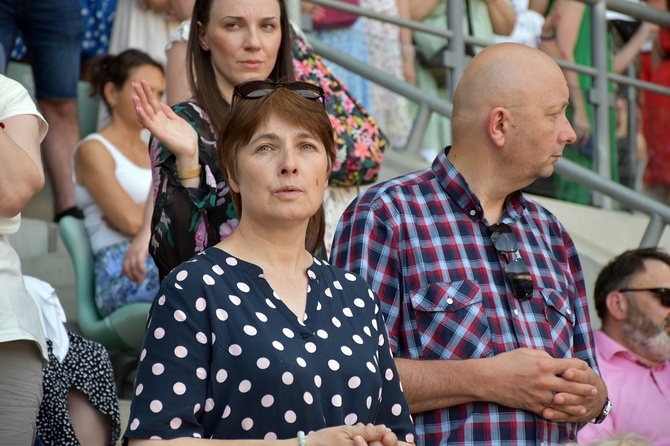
<point x="481" y="19"/>
<point x="177" y="88"/>
<point x="343" y="31"/>
<point x="529" y="21"/>
<point x="145" y="25"/>
<point x="571" y="41"/>
<point x="80" y="405"/>
<point x="113" y="179"/>
<point x="53" y="33"/>
<point x="390" y="49"/>
<point x="632" y="298"/>
<point x="23" y="349"/>
<point x="656" y="113"/>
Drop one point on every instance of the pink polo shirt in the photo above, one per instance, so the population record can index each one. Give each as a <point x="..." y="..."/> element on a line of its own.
<point x="640" y="395"/>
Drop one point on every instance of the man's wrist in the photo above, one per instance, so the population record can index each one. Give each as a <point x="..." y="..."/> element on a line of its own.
<point x="603" y="413"/>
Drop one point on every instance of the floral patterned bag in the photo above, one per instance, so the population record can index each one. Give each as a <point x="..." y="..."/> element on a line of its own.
<point x="360" y="142"/>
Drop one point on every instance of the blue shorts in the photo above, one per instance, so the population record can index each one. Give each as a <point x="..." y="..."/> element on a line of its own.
<point x="52" y="30"/>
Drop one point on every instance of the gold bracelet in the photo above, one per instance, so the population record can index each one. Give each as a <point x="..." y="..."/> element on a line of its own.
<point x="189" y="173"/>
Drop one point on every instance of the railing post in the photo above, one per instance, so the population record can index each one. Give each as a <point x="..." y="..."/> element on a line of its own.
<point x="632" y="126"/>
<point x="652" y="236"/>
<point x="600" y="54"/>
<point x="455" y="14"/>
<point x="293" y="11"/>
<point x="419" y="126"/>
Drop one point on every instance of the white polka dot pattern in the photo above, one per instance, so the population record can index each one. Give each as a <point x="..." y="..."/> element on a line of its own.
<point x="227" y="359"/>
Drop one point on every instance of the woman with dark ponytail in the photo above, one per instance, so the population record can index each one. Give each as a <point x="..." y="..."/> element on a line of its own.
<point x="113" y="179"/>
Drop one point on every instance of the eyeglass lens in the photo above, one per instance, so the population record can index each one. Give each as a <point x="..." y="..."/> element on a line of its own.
<point x="516" y="270"/>
<point x="662" y="293"/>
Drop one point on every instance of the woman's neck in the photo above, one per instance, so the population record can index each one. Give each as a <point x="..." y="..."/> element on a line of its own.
<point x="276" y="250"/>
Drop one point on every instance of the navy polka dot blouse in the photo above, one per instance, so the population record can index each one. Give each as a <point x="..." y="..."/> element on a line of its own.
<point x="225" y="358"/>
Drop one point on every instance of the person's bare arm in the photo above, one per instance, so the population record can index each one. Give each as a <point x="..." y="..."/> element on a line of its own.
<point x="177" y="88"/>
<point x="539" y="6"/>
<point x="627" y="54"/>
<point x="182" y="9"/>
<point x="21" y="172"/>
<point x="94" y="168"/>
<point x="134" y="262"/>
<point x="407" y="43"/>
<point x="420" y="9"/>
<point x="503" y="16"/>
<point x="156" y="5"/>
<point x="562" y="46"/>
<point x="523" y="379"/>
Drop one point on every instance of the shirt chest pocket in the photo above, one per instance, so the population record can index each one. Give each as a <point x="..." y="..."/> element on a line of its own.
<point x="560" y="318"/>
<point x="451" y="321"/>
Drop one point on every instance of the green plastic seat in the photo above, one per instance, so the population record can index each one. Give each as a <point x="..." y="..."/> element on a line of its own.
<point x="123" y="330"/>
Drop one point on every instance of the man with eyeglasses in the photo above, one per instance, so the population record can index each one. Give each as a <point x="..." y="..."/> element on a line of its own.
<point x="632" y="297"/>
<point x="481" y="287"/>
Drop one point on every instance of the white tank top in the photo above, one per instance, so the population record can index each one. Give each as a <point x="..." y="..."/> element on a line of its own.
<point x="135" y="180"/>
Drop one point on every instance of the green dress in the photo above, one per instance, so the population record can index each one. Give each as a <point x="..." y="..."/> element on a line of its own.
<point x="565" y="188"/>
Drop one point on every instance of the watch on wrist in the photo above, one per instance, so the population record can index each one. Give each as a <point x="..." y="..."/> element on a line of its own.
<point x="603" y="413"/>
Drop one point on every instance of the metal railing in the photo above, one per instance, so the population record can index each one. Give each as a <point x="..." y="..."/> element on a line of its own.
<point x="456" y="60"/>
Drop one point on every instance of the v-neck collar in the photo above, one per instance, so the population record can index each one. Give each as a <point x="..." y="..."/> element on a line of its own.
<point x="306" y="327"/>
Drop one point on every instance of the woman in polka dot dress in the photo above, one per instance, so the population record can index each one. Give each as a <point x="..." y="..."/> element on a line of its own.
<point x="254" y="338"/>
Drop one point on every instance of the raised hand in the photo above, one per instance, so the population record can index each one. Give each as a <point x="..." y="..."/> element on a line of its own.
<point x="171" y="130"/>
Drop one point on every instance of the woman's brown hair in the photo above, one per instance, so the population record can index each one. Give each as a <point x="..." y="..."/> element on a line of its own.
<point x="247" y="115"/>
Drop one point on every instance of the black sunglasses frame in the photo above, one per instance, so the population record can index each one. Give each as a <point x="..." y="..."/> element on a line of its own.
<point x="516" y="271"/>
<point x="257" y="89"/>
<point x="662" y="293"/>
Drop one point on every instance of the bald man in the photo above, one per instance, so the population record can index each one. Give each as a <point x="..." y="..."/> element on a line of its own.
<point x="481" y="287"/>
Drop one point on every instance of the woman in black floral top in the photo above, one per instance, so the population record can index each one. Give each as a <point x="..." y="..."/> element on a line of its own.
<point x="234" y="42"/>
<point x="192" y="215"/>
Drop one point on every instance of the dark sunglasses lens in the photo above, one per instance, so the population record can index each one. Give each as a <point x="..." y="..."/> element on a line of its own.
<point x="504" y="241"/>
<point x="308" y="93"/>
<point x="519" y="279"/>
<point x="258" y="93"/>
<point x="522" y="285"/>
<point x="254" y="89"/>
<point x="664" y="294"/>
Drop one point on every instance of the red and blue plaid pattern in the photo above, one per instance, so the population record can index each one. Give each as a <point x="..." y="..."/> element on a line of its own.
<point x="422" y="243"/>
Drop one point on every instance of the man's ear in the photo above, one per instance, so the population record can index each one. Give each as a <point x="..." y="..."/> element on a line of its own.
<point x="497" y="125"/>
<point x="617" y="305"/>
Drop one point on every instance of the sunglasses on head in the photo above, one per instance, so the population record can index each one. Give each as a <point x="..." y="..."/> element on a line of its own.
<point x="662" y="293"/>
<point x="258" y="89"/>
<point x="516" y="271"/>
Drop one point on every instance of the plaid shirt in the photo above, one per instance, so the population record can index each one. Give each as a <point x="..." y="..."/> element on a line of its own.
<point x="422" y="243"/>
